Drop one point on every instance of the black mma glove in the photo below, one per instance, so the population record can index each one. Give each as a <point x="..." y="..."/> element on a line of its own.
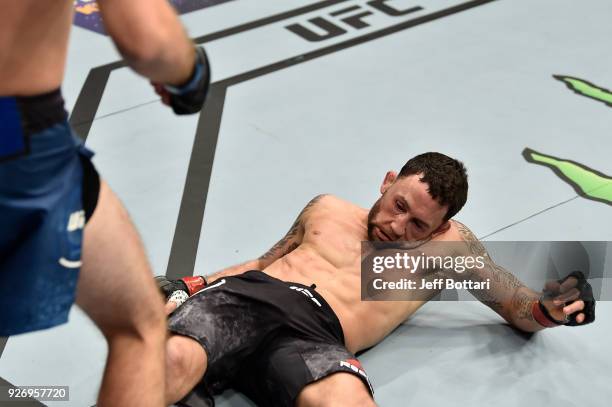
<point x="189" y="97"/>
<point x="544" y="317"/>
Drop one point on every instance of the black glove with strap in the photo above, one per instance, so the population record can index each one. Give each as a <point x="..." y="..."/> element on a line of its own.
<point x="543" y="316"/>
<point x="189" y="97"/>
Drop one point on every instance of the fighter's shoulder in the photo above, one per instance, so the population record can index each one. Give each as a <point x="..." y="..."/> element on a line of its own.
<point x="321" y="202"/>
<point x="333" y="201"/>
<point x="313" y="205"/>
<point x="470" y="244"/>
<point x="325" y="199"/>
<point x="461" y="231"/>
<point x="457" y="232"/>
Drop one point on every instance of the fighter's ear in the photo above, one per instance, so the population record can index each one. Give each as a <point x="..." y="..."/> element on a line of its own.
<point x="390" y="178"/>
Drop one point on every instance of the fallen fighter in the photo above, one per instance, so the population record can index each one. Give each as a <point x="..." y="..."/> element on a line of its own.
<point x="283" y="329"/>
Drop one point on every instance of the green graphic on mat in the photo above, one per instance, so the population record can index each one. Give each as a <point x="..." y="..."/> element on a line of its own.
<point x="584" y="88"/>
<point x="588" y="183"/>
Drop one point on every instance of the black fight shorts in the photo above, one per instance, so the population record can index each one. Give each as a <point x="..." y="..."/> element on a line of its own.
<point x="264" y="337"/>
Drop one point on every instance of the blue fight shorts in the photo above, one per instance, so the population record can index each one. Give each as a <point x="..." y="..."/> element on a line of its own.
<point x="48" y="190"/>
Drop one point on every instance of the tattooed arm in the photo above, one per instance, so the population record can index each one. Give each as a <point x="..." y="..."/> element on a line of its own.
<point x="286" y="245"/>
<point x="507" y="295"/>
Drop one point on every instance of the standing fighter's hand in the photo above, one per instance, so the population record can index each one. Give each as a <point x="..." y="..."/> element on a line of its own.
<point x="176" y="292"/>
<point x="189" y="97"/>
<point x="568" y="301"/>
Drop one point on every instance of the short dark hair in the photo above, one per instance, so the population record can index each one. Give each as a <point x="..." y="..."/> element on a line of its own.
<point x="446" y="177"/>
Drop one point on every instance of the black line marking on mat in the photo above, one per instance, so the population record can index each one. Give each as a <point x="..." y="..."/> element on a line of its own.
<point x="187" y="249"/>
<point x="87" y="103"/>
<point x="191" y="213"/>
<point x="276" y="66"/>
<point x="267" y="20"/>
<point x="198" y="176"/>
<point x="344" y="10"/>
<point x="89" y="98"/>
<point x="196" y="185"/>
<point x="187" y="233"/>
<point x="3" y="341"/>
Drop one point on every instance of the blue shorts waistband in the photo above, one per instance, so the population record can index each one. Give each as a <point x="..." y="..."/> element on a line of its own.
<point x="25" y="117"/>
<point x="39" y="112"/>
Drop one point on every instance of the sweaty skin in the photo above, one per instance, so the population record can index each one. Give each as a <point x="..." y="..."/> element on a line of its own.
<point x="329" y="255"/>
<point x="324" y="247"/>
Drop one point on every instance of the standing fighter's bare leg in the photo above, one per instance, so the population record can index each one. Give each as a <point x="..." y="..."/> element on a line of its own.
<point x="117" y="291"/>
<point x="186" y="364"/>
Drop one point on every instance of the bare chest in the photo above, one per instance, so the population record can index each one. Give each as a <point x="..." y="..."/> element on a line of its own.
<point x="336" y="240"/>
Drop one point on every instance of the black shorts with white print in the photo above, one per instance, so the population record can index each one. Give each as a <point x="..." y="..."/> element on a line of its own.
<point x="264" y="337"/>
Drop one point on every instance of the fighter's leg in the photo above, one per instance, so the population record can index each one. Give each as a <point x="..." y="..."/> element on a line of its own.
<point x="186" y="364"/>
<point x="132" y="320"/>
<point x="215" y="331"/>
<point x="339" y="389"/>
<point x="292" y="371"/>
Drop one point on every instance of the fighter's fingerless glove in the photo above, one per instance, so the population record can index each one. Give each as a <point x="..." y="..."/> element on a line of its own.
<point x="189" y="97"/>
<point x="543" y="317"/>
<point x="188" y="285"/>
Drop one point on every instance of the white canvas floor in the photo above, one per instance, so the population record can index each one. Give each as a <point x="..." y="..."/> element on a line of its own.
<point x="290" y="119"/>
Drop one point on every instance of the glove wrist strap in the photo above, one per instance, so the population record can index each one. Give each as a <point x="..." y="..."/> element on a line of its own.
<point x="542" y="316"/>
<point x="194" y="284"/>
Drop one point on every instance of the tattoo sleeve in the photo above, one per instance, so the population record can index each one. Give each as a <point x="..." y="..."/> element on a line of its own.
<point x="522" y="303"/>
<point x="504" y="285"/>
<point x="293" y="238"/>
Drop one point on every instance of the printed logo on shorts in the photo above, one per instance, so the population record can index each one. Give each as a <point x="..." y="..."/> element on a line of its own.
<point x="208" y="287"/>
<point x="356" y="367"/>
<point x="306" y="293"/>
<point x="70" y="264"/>
<point x="76" y="221"/>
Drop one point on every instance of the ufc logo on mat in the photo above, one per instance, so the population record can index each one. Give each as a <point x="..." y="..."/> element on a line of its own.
<point x="354" y="17"/>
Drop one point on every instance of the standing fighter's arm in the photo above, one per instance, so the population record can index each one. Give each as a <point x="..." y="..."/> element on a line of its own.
<point x="152" y="40"/>
<point x="517" y="303"/>
<point x="286" y="245"/>
<point x="150" y="37"/>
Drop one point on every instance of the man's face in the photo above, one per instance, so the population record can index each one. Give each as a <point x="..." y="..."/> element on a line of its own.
<point x="405" y="211"/>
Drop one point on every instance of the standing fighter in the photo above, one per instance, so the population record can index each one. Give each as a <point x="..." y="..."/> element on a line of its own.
<point x="58" y="219"/>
